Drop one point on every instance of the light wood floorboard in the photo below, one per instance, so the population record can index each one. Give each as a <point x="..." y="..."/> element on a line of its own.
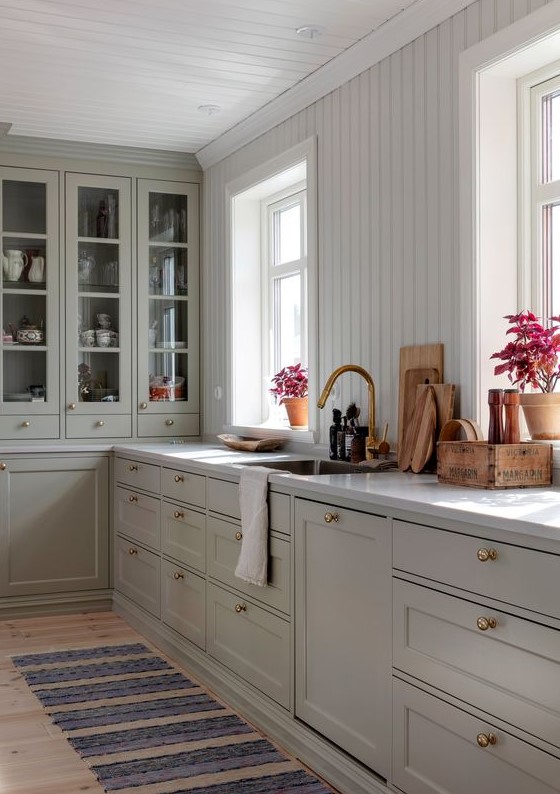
<point x="34" y="756"/>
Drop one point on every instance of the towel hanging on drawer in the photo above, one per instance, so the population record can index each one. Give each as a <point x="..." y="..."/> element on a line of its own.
<point x="253" y="557"/>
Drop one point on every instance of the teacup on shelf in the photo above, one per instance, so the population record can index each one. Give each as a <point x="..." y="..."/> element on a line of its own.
<point x="103" y="338"/>
<point x="87" y="338"/>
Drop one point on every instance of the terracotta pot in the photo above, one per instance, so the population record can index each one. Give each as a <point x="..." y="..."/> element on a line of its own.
<point x="542" y="414"/>
<point x="297" y="410"/>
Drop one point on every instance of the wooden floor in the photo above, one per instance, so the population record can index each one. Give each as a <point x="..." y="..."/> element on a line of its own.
<point x="34" y="756"/>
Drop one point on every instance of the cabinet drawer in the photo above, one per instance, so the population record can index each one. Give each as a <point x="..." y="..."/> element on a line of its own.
<point x="185" y="487"/>
<point x="138" y="475"/>
<point x="223" y="497"/>
<point x="99" y="426"/>
<point x="168" y="425"/>
<point x="183" y="606"/>
<point x="250" y="641"/>
<point x="436" y="638"/>
<point x="137" y="516"/>
<point x="435" y="751"/>
<point x="183" y="535"/>
<point x="223" y="547"/>
<point x="518" y="576"/>
<point x="16" y="427"/>
<point x="137" y="574"/>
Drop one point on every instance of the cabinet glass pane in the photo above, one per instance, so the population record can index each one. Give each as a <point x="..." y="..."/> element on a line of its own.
<point x="25" y="375"/>
<point x="168" y="376"/>
<point x="98" y="212"/>
<point x="24" y="362"/>
<point x="168" y="273"/>
<point x="98" y="348"/>
<point x="168" y="218"/>
<point x="98" y="267"/>
<point x="24" y="207"/>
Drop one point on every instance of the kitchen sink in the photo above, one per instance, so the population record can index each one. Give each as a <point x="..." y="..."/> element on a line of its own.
<point x="311" y="466"/>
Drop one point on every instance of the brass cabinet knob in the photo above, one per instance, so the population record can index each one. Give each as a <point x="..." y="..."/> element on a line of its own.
<point x="132" y="498"/>
<point x="169" y="422"/>
<point x="132" y="551"/>
<point x="487" y="554"/>
<point x="72" y="406"/>
<point x="27" y="423"/>
<point x="484" y="739"/>
<point x="178" y="514"/>
<point x="133" y="467"/>
<point x="3" y="466"/>
<point x="179" y="478"/>
<point x="240" y="608"/>
<point x="238" y="535"/>
<point x="178" y="575"/>
<point x="143" y="406"/>
<point x="330" y="517"/>
<point x="486" y="623"/>
<point x="100" y="423"/>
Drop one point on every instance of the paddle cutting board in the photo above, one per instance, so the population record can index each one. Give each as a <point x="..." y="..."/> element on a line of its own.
<point x="419" y="364"/>
<point x="418" y="442"/>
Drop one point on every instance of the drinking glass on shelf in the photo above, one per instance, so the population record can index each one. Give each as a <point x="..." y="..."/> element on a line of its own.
<point x="86" y="268"/>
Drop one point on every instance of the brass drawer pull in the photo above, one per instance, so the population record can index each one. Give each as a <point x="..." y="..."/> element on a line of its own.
<point x="330" y="517"/>
<point x="486" y="623"/>
<point x="178" y="575"/>
<point x="100" y="423"/>
<point x="169" y="422"/>
<point x="178" y="514"/>
<point x="238" y="535"/>
<point x="143" y="406"/>
<point x="3" y="466"/>
<point x="132" y="551"/>
<point x="27" y="423"/>
<point x="72" y="406"/>
<point x="133" y="467"/>
<point x="132" y="498"/>
<point x="484" y="739"/>
<point x="240" y="608"/>
<point x="179" y="478"/>
<point x="487" y="554"/>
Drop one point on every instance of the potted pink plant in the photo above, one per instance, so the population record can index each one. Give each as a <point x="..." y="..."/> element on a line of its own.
<point x="531" y="358"/>
<point x="290" y="388"/>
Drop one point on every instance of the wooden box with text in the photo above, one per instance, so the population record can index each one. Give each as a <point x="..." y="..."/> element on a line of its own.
<point x="477" y="464"/>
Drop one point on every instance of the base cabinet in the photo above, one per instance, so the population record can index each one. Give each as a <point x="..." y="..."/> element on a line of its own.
<point x="183" y="602"/>
<point x="137" y="573"/>
<point x="441" y="749"/>
<point x="343" y="628"/>
<point x="54" y="524"/>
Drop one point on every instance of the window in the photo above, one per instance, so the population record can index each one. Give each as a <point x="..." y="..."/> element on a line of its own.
<point x="545" y="195"/>
<point x="272" y="214"/>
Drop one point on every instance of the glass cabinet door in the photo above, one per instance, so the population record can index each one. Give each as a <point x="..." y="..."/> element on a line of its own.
<point x="29" y="295"/>
<point x="98" y="327"/>
<point x="167" y="300"/>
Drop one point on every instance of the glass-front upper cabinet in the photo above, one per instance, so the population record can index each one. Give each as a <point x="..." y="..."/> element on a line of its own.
<point x="29" y="384"/>
<point x="168" y="308"/>
<point x="98" y="315"/>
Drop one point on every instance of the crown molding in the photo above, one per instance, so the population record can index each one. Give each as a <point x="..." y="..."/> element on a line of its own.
<point x="50" y="147"/>
<point x="399" y="31"/>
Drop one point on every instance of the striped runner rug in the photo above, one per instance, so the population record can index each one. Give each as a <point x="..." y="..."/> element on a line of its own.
<point x="143" y="726"/>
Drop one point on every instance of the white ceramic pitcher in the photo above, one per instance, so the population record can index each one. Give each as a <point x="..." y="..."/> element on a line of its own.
<point x="37" y="269"/>
<point x="13" y="263"/>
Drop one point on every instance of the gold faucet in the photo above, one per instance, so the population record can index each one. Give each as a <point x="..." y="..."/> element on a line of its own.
<point x="371" y="398"/>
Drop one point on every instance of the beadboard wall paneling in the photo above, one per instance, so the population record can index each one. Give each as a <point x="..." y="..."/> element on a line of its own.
<point x="388" y="243"/>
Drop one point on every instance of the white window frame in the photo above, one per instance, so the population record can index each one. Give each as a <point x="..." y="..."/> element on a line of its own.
<point x="247" y="397"/>
<point x="295" y="195"/>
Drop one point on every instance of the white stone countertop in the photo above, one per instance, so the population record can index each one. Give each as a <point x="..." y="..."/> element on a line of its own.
<point x="531" y="512"/>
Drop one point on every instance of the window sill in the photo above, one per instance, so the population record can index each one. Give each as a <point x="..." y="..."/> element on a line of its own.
<point x="265" y="431"/>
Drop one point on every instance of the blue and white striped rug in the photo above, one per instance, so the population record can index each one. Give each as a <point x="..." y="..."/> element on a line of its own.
<point x="143" y="726"/>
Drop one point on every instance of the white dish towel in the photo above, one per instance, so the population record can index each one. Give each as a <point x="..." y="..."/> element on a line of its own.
<point x="253" y="557"/>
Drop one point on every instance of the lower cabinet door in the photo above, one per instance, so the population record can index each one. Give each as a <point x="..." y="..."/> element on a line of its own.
<point x="440" y="749"/>
<point x="183" y="535"/>
<point x="137" y="575"/>
<point x="250" y="641"/>
<point x="183" y="607"/>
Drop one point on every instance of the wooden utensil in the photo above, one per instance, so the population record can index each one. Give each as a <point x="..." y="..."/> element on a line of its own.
<point x="418" y="431"/>
<point x="426" y="437"/>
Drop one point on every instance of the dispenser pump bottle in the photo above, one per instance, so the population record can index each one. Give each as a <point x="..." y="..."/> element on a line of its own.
<point x="333" y="433"/>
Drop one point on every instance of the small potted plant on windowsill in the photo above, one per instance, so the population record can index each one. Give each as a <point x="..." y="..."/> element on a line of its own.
<point x="290" y="388"/>
<point x="532" y="359"/>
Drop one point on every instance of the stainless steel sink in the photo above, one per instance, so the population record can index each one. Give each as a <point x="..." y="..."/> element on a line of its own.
<point x="312" y="466"/>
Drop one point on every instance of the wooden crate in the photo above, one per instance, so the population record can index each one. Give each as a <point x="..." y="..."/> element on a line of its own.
<point x="477" y="464"/>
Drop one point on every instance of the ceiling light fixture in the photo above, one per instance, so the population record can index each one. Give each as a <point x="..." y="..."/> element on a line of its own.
<point x="310" y="31"/>
<point x="209" y="110"/>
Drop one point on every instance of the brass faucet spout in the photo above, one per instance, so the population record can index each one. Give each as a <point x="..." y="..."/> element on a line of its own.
<point x="333" y="377"/>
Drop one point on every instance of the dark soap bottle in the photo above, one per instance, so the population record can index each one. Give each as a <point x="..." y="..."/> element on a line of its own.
<point x="333" y="433"/>
<point x="495" y="422"/>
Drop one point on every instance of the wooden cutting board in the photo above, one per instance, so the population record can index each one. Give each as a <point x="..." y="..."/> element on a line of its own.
<point x="418" y="442"/>
<point x="445" y="402"/>
<point x="419" y="364"/>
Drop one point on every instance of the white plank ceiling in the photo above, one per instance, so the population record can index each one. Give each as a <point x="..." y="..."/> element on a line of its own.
<point x="135" y="72"/>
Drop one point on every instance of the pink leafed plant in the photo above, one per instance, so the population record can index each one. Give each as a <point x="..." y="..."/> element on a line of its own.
<point x="291" y="381"/>
<point x="532" y="357"/>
